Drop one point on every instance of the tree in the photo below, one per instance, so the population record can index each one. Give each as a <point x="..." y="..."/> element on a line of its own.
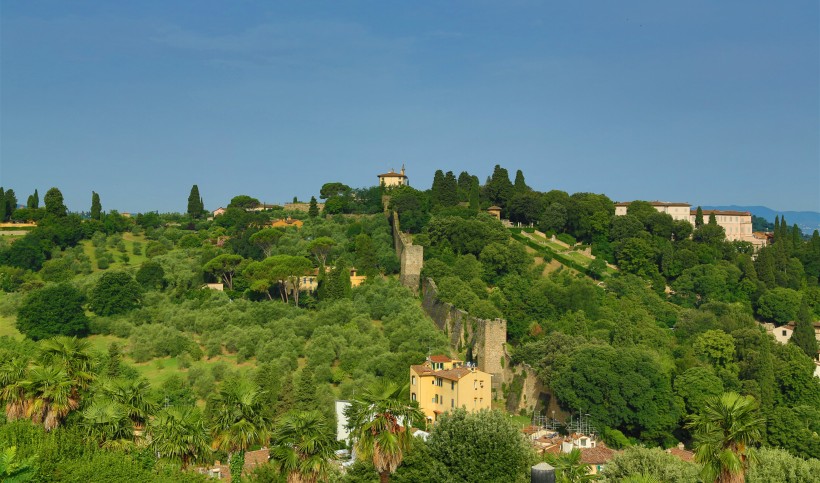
<point x="302" y="446"/>
<point x="695" y="385"/>
<point x="179" y="433"/>
<point x="53" y="310"/>
<point x="699" y="217"/>
<point x="803" y="335"/>
<point x="473" y="198"/>
<point x="134" y="396"/>
<point x="115" y="293"/>
<point x="33" y="201"/>
<point x="336" y="189"/>
<point x="320" y="248"/>
<point x="725" y="433"/>
<point x="96" y="206"/>
<point x="520" y="186"/>
<point x="480" y="447"/>
<point x="499" y="188"/>
<point x="2" y="205"/>
<point x="313" y="208"/>
<point x="779" y="305"/>
<point x="777" y="465"/>
<point x="151" y="275"/>
<point x="50" y="395"/>
<point x="224" y="267"/>
<point x="10" y="203"/>
<point x="236" y="416"/>
<point x="569" y="468"/>
<point x="195" y="205"/>
<point x="244" y="202"/>
<point x="54" y="203"/>
<point x="107" y="422"/>
<point x="378" y="420"/>
<point x="651" y="462"/>
<point x="266" y="239"/>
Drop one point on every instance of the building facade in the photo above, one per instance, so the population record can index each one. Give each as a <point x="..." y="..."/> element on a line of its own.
<point x="441" y="384"/>
<point x="736" y="224"/>
<point x="393" y="179"/>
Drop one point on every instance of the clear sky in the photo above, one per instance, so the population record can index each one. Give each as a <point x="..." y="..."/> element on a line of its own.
<point x="708" y="102"/>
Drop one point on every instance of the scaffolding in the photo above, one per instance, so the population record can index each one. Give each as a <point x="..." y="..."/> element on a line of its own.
<point x="580" y="423"/>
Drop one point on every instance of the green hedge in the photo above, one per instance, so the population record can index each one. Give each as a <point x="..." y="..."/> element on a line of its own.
<point x="550" y="253"/>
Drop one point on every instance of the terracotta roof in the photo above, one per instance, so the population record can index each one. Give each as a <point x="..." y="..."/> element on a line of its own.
<point x="597" y="456"/>
<point x="421" y="369"/>
<point x="494" y="208"/>
<point x="440" y="358"/>
<point x="392" y="175"/>
<point x="453" y="374"/>
<point x="654" y="203"/>
<point x="683" y="454"/>
<point x="721" y="212"/>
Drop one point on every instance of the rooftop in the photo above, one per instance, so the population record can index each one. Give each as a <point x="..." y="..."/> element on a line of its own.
<point x="722" y="212"/>
<point x="655" y="203"/>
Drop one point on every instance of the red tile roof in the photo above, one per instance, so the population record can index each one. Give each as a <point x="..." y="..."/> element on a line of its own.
<point x="654" y="203"/>
<point x="392" y="175"/>
<point x="597" y="456"/>
<point x="722" y="212"/>
<point x="683" y="454"/>
<point x="440" y="358"/>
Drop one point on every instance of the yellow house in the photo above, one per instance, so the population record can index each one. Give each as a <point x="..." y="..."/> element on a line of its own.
<point x="441" y="384"/>
<point x="393" y="179"/>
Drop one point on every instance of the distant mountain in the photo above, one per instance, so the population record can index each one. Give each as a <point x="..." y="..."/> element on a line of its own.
<point x="808" y="221"/>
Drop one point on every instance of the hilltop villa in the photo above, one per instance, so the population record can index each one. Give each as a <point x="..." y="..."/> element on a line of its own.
<point x="393" y="179"/>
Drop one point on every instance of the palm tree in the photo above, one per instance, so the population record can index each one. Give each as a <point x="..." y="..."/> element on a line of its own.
<point x="107" y="421"/>
<point x="179" y="434"/>
<point x="12" y="390"/>
<point x="134" y="397"/>
<point x="50" y="395"/>
<point x="302" y="445"/>
<point x="73" y="355"/>
<point x="724" y="432"/>
<point x="569" y="468"/>
<point x="377" y="421"/>
<point x="236" y="416"/>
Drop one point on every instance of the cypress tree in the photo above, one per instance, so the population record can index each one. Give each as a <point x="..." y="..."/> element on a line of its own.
<point x="11" y="203"/>
<point x="2" y="205"/>
<point x="36" y="199"/>
<point x="712" y="218"/>
<point x="803" y="336"/>
<point x="96" y="207"/>
<point x="520" y="186"/>
<point x="764" y="265"/>
<point x="499" y="188"/>
<point x="438" y="187"/>
<point x="305" y="390"/>
<point x="313" y="209"/>
<point x="699" y="217"/>
<point x="465" y="182"/>
<point x="449" y="190"/>
<point x="30" y="203"/>
<point x="474" y="195"/>
<point x="194" y="201"/>
<point x="776" y="231"/>
<point x="797" y="236"/>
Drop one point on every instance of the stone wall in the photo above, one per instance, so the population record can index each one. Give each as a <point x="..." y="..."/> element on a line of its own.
<point x="410" y="256"/>
<point x="484" y="339"/>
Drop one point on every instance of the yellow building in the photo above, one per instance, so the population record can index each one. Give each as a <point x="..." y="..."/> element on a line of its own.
<point x="441" y="384"/>
<point x="393" y="179"/>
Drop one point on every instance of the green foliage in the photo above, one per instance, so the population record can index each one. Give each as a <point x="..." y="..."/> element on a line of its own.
<point x="53" y="310"/>
<point x="96" y="206"/>
<point x="653" y="463"/>
<point x="115" y="293"/>
<point x="779" y="305"/>
<point x="54" y="202"/>
<point x="480" y="447"/>
<point x="151" y="275"/>
<point x="195" y="205"/>
<point x="804" y="335"/>
<point x="777" y="465"/>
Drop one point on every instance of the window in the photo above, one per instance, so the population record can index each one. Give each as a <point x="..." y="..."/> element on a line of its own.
<point x="475" y="384"/>
<point x="413" y="396"/>
<point x="453" y="385"/>
<point x="438" y="382"/>
<point x="784" y="332"/>
<point x="452" y="403"/>
<point x="413" y="380"/>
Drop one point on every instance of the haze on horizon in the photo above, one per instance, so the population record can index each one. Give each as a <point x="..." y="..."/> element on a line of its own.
<point x="712" y="103"/>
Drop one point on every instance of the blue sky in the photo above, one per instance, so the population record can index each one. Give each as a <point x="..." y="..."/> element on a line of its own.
<point x="700" y="101"/>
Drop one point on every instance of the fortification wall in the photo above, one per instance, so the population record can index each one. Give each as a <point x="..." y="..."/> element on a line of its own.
<point x="411" y="257"/>
<point x="484" y="339"/>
